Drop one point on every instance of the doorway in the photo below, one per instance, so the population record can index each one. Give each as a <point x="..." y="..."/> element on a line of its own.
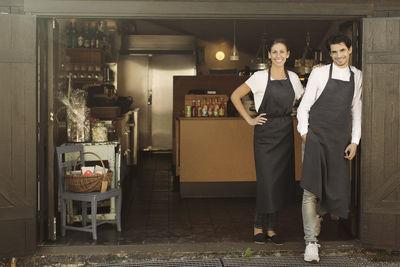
<point x="154" y="212"/>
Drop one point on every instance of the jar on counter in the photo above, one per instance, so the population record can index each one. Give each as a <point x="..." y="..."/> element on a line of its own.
<point x="78" y="124"/>
<point x="99" y="132"/>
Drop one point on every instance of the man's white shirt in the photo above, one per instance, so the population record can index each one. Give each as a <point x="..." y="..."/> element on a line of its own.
<point x="316" y="85"/>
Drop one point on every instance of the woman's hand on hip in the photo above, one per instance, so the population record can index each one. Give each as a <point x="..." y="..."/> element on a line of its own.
<point x="259" y="120"/>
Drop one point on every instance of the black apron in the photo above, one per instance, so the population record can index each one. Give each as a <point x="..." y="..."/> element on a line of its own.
<point x="274" y="148"/>
<point x="325" y="171"/>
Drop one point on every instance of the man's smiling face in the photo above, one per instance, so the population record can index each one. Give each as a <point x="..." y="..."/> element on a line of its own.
<point x="340" y="54"/>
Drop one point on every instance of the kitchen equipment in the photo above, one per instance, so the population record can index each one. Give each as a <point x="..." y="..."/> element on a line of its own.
<point x="146" y="67"/>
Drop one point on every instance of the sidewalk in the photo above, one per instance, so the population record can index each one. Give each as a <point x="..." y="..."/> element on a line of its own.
<point x="220" y="254"/>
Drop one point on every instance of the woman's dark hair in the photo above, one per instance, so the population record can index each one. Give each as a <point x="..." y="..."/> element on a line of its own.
<point x="337" y="39"/>
<point x="277" y="41"/>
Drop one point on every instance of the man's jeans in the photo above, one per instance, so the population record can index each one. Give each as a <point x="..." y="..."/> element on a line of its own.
<point x="310" y="220"/>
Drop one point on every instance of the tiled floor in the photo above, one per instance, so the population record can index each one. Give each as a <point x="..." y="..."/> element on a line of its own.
<point x="153" y="212"/>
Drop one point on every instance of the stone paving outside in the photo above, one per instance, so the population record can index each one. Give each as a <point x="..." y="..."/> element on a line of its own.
<point x="241" y="254"/>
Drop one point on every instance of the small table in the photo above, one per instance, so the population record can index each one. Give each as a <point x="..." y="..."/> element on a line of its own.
<point x="107" y="151"/>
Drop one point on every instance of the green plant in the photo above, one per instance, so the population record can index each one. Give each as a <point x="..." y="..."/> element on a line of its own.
<point x="248" y="253"/>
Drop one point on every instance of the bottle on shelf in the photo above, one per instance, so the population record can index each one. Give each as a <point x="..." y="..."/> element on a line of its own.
<point x="98" y="36"/>
<point x="86" y="36"/>
<point x="199" y="108"/>
<point x="92" y="34"/>
<point x="68" y="40"/>
<point x="221" y="111"/>
<point x="188" y="111"/>
<point x="216" y="107"/>
<point x="74" y="35"/>
<point x="204" y="111"/>
<point x="210" y="108"/>
<point x="80" y="38"/>
<point x="194" y="108"/>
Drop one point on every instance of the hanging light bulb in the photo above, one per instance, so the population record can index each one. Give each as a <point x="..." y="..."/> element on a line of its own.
<point x="235" y="54"/>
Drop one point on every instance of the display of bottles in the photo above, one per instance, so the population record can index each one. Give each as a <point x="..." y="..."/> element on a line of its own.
<point x="85" y="35"/>
<point x="205" y="107"/>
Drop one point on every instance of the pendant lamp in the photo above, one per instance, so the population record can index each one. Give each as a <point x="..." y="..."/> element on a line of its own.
<point x="235" y="54"/>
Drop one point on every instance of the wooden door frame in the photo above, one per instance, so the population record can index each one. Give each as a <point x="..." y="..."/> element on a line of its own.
<point x="19" y="139"/>
<point x="379" y="215"/>
<point x="376" y="202"/>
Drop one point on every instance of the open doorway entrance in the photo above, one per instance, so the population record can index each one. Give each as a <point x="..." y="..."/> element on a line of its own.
<point x="153" y="210"/>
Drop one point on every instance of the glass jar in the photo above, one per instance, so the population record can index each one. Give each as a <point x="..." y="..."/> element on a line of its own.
<point x="78" y="125"/>
<point x="99" y="132"/>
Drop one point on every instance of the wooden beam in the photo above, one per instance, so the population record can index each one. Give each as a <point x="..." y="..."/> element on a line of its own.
<point x="201" y="9"/>
<point x="386" y="5"/>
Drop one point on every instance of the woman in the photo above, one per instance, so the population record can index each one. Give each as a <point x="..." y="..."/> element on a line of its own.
<point x="275" y="91"/>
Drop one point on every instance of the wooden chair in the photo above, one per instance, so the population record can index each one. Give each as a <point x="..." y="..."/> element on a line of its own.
<point x="93" y="197"/>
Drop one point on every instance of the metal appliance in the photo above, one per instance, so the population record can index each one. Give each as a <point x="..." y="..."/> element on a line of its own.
<point x="146" y="66"/>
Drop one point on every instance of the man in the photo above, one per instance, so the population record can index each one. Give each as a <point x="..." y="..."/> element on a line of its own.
<point x="330" y="107"/>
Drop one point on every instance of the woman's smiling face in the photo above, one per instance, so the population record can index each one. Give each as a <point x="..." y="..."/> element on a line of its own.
<point x="278" y="54"/>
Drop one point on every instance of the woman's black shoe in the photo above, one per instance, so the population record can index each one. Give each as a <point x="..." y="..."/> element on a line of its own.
<point x="259" y="238"/>
<point x="275" y="239"/>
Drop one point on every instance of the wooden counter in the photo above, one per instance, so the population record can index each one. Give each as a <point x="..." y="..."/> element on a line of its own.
<point x="214" y="152"/>
<point x="215" y="157"/>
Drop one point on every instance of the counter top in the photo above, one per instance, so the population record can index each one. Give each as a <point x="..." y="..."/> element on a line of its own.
<point x="218" y="118"/>
<point x="210" y="118"/>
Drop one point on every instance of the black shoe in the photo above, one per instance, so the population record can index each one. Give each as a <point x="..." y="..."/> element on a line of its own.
<point x="259" y="238"/>
<point x="275" y="239"/>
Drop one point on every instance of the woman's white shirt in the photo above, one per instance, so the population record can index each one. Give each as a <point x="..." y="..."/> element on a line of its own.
<point x="259" y="80"/>
<point x="316" y="85"/>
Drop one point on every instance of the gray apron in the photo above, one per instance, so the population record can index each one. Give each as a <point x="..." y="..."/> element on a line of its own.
<point x="325" y="171"/>
<point x="274" y="148"/>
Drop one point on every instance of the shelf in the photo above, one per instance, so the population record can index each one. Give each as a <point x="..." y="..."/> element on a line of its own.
<point x="85" y="55"/>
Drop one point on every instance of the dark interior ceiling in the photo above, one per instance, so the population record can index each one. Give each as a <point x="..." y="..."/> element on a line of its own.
<point x="248" y="32"/>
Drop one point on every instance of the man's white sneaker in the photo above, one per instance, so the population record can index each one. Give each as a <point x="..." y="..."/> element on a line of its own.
<point x="318" y="225"/>
<point x="311" y="252"/>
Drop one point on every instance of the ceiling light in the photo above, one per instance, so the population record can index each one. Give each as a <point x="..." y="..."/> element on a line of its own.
<point x="220" y="55"/>
<point x="261" y="61"/>
<point x="235" y="54"/>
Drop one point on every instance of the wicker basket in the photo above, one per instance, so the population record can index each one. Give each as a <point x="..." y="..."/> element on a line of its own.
<point x="88" y="183"/>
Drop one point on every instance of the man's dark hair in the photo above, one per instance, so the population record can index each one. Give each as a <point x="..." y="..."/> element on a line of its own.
<point x="337" y="39"/>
